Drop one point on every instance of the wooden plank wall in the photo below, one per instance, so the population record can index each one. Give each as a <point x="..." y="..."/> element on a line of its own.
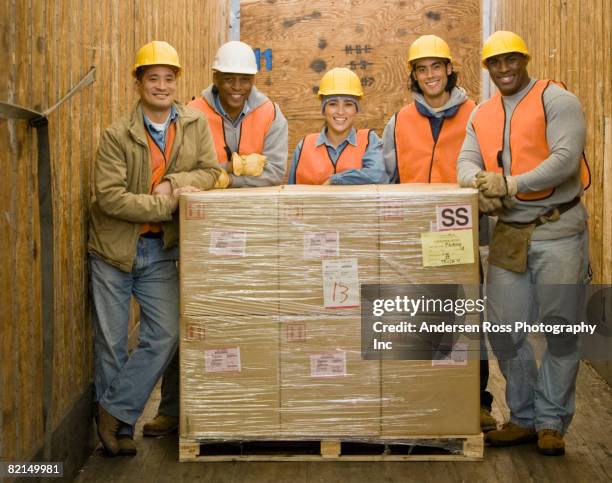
<point x="570" y="41"/>
<point x="45" y="48"/>
<point x="372" y="38"/>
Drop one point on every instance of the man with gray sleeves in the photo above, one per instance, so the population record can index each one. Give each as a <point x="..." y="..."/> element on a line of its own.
<point x="523" y="151"/>
<point x="251" y="139"/>
<point x="249" y="130"/>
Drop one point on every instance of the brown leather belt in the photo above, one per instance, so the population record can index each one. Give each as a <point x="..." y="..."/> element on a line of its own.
<point x="551" y="215"/>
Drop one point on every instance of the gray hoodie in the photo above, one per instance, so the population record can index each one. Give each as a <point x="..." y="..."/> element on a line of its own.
<point x="275" y="143"/>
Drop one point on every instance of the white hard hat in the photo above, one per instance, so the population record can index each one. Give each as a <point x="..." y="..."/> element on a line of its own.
<point x="235" y="57"/>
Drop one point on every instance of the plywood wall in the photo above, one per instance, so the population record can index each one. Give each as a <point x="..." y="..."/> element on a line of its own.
<point x="45" y="48"/>
<point x="306" y="38"/>
<point x="570" y="41"/>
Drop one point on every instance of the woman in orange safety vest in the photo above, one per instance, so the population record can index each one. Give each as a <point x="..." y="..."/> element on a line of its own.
<point x="339" y="153"/>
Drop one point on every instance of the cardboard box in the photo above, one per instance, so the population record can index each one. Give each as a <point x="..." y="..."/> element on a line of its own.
<point x="326" y="388"/>
<point x="229" y="252"/>
<point x="229" y="377"/>
<point x="328" y="240"/>
<point x="271" y="328"/>
<point x="409" y="210"/>
<point x="427" y="397"/>
<point x="430" y="397"/>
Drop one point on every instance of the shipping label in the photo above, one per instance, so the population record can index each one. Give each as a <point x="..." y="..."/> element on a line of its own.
<point x="228" y="243"/>
<point x="340" y="283"/>
<point x="453" y="247"/>
<point x="328" y="364"/>
<point x="222" y="360"/>
<point x="453" y="217"/>
<point x="321" y="244"/>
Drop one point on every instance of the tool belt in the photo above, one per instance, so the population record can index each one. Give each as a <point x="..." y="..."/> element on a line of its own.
<point x="510" y="241"/>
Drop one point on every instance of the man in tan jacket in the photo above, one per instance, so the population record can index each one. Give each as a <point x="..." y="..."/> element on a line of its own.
<point x="143" y="163"/>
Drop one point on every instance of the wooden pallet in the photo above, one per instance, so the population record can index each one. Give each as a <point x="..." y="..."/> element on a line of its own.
<point x="414" y="448"/>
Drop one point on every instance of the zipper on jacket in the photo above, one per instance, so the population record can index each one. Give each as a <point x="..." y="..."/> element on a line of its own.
<point x="500" y="153"/>
<point x="338" y="158"/>
<point x="433" y="151"/>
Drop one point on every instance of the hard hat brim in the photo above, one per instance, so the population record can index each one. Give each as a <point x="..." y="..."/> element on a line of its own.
<point x="234" y="70"/>
<point x="509" y="51"/>
<point x="177" y="68"/>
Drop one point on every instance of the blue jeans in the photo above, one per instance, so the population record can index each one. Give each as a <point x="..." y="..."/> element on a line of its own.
<point x="541" y="398"/>
<point x="123" y="383"/>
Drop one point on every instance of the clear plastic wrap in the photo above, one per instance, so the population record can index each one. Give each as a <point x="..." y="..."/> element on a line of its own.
<point x="270" y="313"/>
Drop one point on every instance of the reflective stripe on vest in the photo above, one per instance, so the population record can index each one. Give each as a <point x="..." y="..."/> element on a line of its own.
<point x="158" y="167"/>
<point x="528" y="144"/>
<point x="314" y="166"/>
<point x="419" y="158"/>
<point x="253" y="128"/>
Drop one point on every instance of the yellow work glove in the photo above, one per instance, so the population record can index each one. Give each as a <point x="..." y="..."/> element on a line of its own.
<point x="495" y="184"/>
<point x="223" y="181"/>
<point x="488" y="205"/>
<point x="248" y="164"/>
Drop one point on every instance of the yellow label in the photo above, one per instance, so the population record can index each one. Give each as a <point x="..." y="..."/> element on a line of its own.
<point x="441" y="248"/>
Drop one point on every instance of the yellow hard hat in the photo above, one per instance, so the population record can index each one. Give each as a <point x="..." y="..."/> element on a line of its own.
<point x="503" y="42"/>
<point x="157" y="53"/>
<point x="340" y="81"/>
<point x="429" y="46"/>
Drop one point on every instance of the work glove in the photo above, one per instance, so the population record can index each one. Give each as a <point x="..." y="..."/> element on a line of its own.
<point x="496" y="184"/>
<point x="248" y="164"/>
<point x="489" y="205"/>
<point x="223" y="181"/>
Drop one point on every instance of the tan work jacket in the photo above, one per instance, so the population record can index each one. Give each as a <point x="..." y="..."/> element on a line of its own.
<point x="122" y="180"/>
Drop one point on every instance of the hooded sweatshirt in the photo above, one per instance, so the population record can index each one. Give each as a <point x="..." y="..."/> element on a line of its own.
<point x="435" y="115"/>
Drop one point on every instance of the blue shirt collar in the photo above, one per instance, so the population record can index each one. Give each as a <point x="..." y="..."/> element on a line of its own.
<point x="322" y="139"/>
<point x="160" y="136"/>
<point x="171" y="118"/>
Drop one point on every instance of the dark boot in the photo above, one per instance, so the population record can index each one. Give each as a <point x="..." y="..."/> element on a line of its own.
<point x="161" y="425"/>
<point x="487" y="422"/>
<point x="550" y="443"/>
<point x="108" y="425"/>
<point x="511" y="434"/>
<point x="127" y="447"/>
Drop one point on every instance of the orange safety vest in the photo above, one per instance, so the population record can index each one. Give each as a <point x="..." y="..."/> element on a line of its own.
<point x="314" y="166"/>
<point x="253" y="128"/>
<point x="420" y="159"/>
<point x="528" y="144"/>
<point x="158" y="167"/>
